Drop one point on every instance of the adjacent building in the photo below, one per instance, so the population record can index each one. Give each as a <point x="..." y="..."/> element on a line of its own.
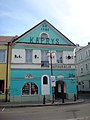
<point x="5" y="67"/>
<point x="42" y="59"/>
<point x="83" y="68"/>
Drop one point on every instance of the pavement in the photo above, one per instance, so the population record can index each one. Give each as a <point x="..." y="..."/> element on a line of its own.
<point x="39" y="104"/>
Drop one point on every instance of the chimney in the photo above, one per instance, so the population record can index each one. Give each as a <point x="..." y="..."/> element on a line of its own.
<point x="88" y="43"/>
<point x="77" y="47"/>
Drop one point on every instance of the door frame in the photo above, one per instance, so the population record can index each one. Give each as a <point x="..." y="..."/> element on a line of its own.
<point x="62" y="93"/>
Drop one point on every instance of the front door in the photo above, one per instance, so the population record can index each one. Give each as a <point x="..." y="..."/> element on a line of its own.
<point x="60" y="90"/>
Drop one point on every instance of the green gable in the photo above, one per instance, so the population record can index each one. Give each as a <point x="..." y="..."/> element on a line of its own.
<point x="44" y="33"/>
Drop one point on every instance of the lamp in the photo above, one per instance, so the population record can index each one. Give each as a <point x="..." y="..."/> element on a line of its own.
<point x="51" y="54"/>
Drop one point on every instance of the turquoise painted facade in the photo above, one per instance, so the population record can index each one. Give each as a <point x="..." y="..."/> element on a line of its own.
<point x="31" y="67"/>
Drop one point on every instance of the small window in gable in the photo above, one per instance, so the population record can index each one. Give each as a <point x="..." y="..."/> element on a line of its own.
<point x="44" y="35"/>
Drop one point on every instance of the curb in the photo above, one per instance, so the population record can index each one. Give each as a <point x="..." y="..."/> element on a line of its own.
<point x="39" y="105"/>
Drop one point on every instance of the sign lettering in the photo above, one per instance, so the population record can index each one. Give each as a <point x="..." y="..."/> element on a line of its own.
<point x="39" y="40"/>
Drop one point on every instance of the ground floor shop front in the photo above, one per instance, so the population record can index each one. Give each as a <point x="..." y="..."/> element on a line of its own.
<point x="33" y="85"/>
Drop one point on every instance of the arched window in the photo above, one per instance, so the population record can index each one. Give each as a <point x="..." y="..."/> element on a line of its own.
<point x="45" y="85"/>
<point x="45" y="80"/>
<point x="29" y="89"/>
<point x="44" y="35"/>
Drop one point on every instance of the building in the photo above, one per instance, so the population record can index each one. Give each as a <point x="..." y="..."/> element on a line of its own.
<point x="83" y="68"/>
<point x="39" y="53"/>
<point x="5" y="67"/>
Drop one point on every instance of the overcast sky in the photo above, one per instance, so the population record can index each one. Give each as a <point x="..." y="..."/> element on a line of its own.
<point x="71" y="17"/>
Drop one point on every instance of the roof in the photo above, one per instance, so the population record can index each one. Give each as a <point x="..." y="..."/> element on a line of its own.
<point x="16" y="39"/>
<point x="6" y="38"/>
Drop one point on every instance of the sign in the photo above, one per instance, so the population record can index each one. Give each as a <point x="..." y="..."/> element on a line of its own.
<point x="53" y="81"/>
<point x="45" y="27"/>
<point x="38" y="40"/>
<point x="53" y="84"/>
<point x="28" y="76"/>
<point x="60" y="76"/>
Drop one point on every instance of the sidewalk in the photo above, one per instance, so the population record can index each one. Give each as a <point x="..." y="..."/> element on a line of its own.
<point x="35" y="104"/>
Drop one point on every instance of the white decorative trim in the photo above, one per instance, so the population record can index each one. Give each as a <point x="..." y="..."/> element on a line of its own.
<point x="45" y="89"/>
<point x="45" y="33"/>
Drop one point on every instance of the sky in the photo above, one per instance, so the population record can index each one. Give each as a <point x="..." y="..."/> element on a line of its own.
<point x="70" y="17"/>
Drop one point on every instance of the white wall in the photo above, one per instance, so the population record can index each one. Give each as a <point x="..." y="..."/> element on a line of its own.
<point x="36" y="56"/>
<point x="18" y="56"/>
<point x="65" y="57"/>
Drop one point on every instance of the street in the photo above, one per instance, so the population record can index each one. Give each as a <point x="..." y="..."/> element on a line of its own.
<point x="63" y="112"/>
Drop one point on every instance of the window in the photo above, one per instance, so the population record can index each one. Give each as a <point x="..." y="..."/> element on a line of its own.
<point x="89" y="52"/>
<point x="44" y="59"/>
<point x="44" y="63"/>
<point x="81" y="70"/>
<point x="89" y="83"/>
<point x="87" y="66"/>
<point x="2" y="56"/>
<point x="59" y="57"/>
<point x="30" y="89"/>
<point x="86" y="53"/>
<point x="45" y="80"/>
<point x="44" y="35"/>
<point x="1" y="86"/>
<point x="28" y="55"/>
<point x="83" y="86"/>
<point x="81" y="56"/>
<point x="45" y="85"/>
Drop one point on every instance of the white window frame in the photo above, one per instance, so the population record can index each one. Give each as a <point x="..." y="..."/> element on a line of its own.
<point x="45" y="88"/>
<point x="4" y="61"/>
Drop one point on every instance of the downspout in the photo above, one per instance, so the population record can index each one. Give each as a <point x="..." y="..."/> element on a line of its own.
<point x="7" y="62"/>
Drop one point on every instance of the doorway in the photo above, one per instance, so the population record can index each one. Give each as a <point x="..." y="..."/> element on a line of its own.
<point x="60" y="90"/>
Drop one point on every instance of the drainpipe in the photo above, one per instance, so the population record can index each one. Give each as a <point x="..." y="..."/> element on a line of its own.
<point x="7" y="61"/>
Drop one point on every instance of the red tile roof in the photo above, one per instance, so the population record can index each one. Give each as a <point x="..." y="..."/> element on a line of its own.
<point x="6" y="38"/>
